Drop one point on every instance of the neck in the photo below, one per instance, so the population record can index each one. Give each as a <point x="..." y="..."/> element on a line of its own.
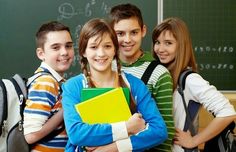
<point x="132" y="59"/>
<point x="104" y="80"/>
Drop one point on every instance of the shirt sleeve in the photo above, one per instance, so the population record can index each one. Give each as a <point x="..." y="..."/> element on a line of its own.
<point x="212" y="99"/>
<point x="42" y="96"/>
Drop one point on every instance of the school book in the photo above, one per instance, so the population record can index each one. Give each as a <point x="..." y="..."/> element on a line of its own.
<point x="108" y="107"/>
<point x="88" y="93"/>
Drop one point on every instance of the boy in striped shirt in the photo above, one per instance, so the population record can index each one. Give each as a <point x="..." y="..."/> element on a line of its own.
<point x="43" y="116"/>
<point x="126" y="19"/>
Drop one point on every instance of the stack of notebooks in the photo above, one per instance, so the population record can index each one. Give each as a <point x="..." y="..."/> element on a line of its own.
<point x="104" y="105"/>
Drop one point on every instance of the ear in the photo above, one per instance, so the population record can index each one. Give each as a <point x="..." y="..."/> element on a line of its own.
<point x="40" y="53"/>
<point x="144" y="30"/>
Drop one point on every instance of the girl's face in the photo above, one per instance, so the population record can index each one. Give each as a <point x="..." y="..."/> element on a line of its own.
<point x="100" y="52"/>
<point x="165" y="47"/>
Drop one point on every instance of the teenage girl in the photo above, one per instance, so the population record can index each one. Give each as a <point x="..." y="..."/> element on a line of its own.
<point x="98" y="47"/>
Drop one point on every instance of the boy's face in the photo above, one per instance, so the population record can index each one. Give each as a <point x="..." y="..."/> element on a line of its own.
<point x="129" y="34"/>
<point x="58" y="51"/>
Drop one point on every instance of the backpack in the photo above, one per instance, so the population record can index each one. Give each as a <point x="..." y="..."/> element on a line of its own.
<point x="13" y="95"/>
<point x="225" y="141"/>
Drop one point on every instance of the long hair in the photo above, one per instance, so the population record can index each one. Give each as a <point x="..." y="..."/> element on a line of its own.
<point x="184" y="57"/>
<point x="97" y="27"/>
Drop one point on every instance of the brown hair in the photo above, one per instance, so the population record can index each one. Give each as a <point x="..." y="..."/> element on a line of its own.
<point x="125" y="11"/>
<point x="97" y="27"/>
<point x="45" y="29"/>
<point x="184" y="52"/>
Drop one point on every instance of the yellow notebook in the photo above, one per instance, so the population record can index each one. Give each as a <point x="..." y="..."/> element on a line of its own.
<point x="108" y="107"/>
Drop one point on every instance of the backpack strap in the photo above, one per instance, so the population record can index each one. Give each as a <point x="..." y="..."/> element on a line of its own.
<point x="19" y="84"/>
<point x="19" y="90"/>
<point x="182" y="78"/>
<point x="192" y="108"/>
<point x="181" y="87"/>
<point x="4" y="108"/>
<point x="148" y="72"/>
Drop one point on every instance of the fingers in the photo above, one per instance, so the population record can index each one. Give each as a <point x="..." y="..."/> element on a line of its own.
<point x="139" y="115"/>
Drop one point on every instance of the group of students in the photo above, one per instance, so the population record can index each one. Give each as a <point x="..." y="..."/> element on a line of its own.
<point x="111" y="56"/>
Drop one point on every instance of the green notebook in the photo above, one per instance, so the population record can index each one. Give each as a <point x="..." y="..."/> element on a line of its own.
<point x="88" y="93"/>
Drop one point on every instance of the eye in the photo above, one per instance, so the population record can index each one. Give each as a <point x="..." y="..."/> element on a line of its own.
<point x="108" y="46"/>
<point x="120" y="34"/>
<point x="69" y="46"/>
<point x="157" y="42"/>
<point x="92" y="46"/>
<point x="56" y="48"/>
<point x="168" y="43"/>
<point x="134" y="32"/>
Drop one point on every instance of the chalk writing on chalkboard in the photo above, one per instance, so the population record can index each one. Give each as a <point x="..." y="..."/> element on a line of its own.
<point x="67" y="10"/>
<point x="218" y="52"/>
<point x="218" y="66"/>
<point x="226" y="49"/>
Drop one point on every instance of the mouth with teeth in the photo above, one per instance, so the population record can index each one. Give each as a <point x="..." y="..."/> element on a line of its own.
<point x="127" y="47"/>
<point x="64" y="61"/>
<point x="101" y="61"/>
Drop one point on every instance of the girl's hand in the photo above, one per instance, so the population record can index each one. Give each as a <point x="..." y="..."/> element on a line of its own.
<point x="135" y="124"/>
<point x="184" y="139"/>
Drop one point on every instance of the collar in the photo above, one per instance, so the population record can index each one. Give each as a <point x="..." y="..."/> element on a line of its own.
<point x="145" y="57"/>
<point x="45" y="67"/>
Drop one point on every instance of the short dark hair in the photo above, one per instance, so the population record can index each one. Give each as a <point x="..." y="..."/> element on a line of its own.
<point x="46" y="28"/>
<point x="125" y="11"/>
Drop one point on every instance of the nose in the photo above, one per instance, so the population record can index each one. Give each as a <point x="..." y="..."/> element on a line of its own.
<point x="159" y="48"/>
<point x="64" y="51"/>
<point x="127" y="38"/>
<point x="100" y="52"/>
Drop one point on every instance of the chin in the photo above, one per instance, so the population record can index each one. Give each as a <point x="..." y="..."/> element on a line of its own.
<point x="164" y="61"/>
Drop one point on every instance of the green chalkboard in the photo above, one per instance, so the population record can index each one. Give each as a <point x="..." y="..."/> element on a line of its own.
<point x="212" y="24"/>
<point x="20" y="19"/>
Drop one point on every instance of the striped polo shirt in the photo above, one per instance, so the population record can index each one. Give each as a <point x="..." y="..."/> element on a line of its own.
<point x="44" y="100"/>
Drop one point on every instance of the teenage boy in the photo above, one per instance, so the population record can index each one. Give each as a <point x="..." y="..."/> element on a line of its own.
<point x="126" y="19"/>
<point x="43" y="115"/>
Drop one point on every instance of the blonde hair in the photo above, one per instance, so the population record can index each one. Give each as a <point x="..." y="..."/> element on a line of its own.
<point x="184" y="57"/>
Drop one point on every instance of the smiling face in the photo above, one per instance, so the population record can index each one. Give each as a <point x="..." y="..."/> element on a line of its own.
<point x="100" y="52"/>
<point x="165" y="47"/>
<point x="58" y="51"/>
<point x="129" y="34"/>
